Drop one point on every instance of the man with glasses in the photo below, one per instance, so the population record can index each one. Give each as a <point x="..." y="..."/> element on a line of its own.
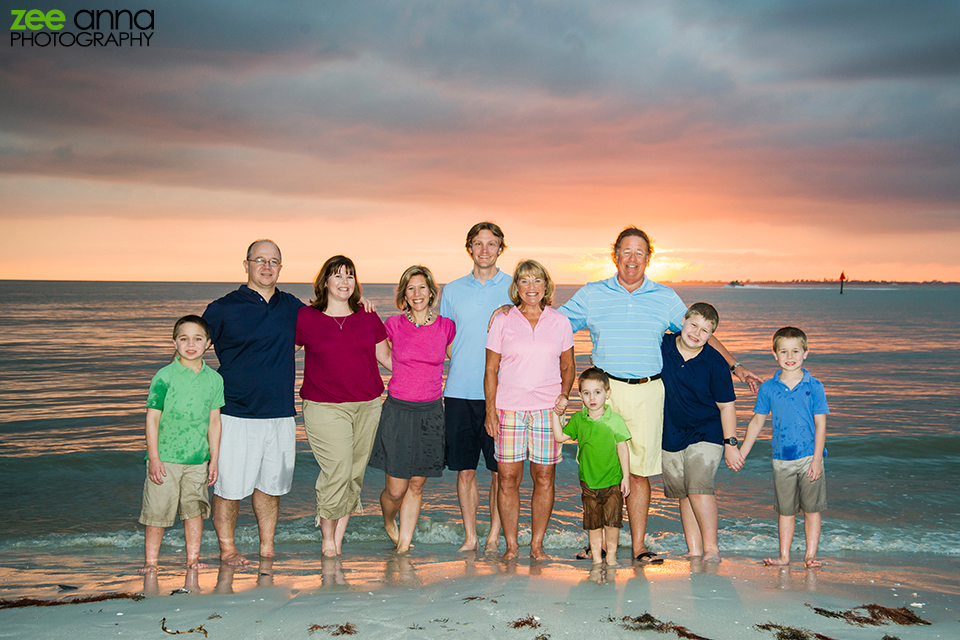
<point x="253" y="330"/>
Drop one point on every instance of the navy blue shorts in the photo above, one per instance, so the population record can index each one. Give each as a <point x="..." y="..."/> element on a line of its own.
<point x="466" y="436"/>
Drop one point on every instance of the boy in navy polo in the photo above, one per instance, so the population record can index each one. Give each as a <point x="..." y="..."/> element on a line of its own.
<point x="799" y="407"/>
<point x="699" y="426"/>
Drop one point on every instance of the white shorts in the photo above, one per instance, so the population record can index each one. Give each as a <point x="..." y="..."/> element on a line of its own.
<point x="255" y="453"/>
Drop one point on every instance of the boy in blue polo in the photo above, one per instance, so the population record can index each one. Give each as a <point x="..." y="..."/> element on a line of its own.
<point x="183" y="440"/>
<point x="699" y="426"/>
<point x="799" y="408"/>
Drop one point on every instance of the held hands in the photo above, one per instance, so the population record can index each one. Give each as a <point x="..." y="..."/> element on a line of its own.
<point x="815" y="470"/>
<point x="560" y="407"/>
<point x="156" y="471"/>
<point x="732" y="457"/>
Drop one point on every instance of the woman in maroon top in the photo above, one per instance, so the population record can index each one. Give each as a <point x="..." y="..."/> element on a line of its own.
<point x="341" y="392"/>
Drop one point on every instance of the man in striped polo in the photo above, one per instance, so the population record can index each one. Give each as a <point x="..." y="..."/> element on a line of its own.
<point x="627" y="316"/>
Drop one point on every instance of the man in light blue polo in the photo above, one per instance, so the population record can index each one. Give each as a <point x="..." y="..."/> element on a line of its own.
<point x="469" y="301"/>
<point x="627" y="316"/>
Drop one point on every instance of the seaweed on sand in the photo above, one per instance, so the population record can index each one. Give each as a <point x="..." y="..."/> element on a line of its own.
<point x="647" y="622"/>
<point x="876" y="615"/>
<point x="200" y="629"/>
<point x="791" y="633"/>
<point x="345" y="629"/>
<point x="33" y="602"/>
<point x="529" y="621"/>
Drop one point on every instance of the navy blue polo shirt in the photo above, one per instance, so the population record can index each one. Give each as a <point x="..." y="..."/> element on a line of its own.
<point x="692" y="389"/>
<point x="254" y="341"/>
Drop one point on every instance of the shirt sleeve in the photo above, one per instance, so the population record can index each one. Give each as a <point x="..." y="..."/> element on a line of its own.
<point x="495" y="335"/>
<point x="721" y="383"/>
<point x="575" y="309"/>
<point x="570" y="428"/>
<point x="676" y="313"/>
<point x="620" y="431"/>
<point x="450" y="328"/>
<point x="762" y="405"/>
<point x="379" y="332"/>
<point x="300" y="337"/>
<point x="820" y="400"/>
<point x="217" y="400"/>
<point x="158" y="392"/>
<point x="445" y="309"/>
<point x="566" y="341"/>
<point x="214" y="319"/>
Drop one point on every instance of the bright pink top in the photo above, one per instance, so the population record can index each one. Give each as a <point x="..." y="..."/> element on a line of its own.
<point x="418" y="354"/>
<point x="340" y="363"/>
<point x="529" y="378"/>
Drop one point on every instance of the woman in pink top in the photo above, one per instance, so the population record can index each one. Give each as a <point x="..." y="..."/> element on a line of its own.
<point x="409" y="443"/>
<point x="529" y="373"/>
<point x="341" y="392"/>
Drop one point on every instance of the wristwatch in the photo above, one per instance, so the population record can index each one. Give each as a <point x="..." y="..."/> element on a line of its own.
<point x="733" y="367"/>
<point x="732" y="441"/>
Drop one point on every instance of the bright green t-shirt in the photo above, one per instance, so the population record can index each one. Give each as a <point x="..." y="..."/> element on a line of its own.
<point x="185" y="399"/>
<point x="597" y="446"/>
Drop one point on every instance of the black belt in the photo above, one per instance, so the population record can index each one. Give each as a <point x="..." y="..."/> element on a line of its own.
<point x="635" y="380"/>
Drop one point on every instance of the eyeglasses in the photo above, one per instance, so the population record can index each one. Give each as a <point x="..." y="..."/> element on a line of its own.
<point x="260" y="262"/>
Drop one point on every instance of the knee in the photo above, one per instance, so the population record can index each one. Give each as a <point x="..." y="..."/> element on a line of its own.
<point x="509" y="481"/>
<point x="416" y="487"/>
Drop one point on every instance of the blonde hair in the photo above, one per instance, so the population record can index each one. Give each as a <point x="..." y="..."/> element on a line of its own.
<point x="534" y="268"/>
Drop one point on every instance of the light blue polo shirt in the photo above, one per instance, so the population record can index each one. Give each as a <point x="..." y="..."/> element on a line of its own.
<point x="626" y="328"/>
<point x="792" y="410"/>
<point x="470" y="304"/>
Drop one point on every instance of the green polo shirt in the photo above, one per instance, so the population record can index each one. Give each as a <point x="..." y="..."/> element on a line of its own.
<point x="597" y="446"/>
<point x="185" y="399"/>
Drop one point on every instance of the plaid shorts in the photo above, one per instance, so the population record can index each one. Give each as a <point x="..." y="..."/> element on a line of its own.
<point x="523" y="432"/>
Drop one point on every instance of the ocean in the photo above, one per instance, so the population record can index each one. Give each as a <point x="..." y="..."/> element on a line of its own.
<point x="78" y="358"/>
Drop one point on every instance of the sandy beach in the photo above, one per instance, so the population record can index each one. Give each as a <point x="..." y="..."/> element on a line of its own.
<point x="431" y="596"/>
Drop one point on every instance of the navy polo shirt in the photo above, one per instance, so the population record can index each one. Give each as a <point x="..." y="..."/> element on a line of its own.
<point x="692" y="389"/>
<point x="254" y="341"/>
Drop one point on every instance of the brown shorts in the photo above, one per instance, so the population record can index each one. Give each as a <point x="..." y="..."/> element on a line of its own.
<point x="793" y="491"/>
<point x="183" y="492"/>
<point x="602" y="507"/>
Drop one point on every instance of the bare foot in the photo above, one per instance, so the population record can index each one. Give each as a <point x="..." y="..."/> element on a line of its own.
<point x="267" y="550"/>
<point x="233" y="559"/>
<point x="196" y="564"/>
<point x="776" y="562"/>
<point x="611" y="562"/>
<point x="148" y="568"/>
<point x="469" y="545"/>
<point x="492" y="544"/>
<point x="392" y="531"/>
<point x="693" y="554"/>
<point x="540" y="554"/>
<point x="711" y="556"/>
<point x="810" y="563"/>
<point x="509" y="554"/>
<point x="328" y="550"/>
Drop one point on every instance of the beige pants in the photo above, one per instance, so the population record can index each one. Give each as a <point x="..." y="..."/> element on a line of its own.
<point x="641" y="407"/>
<point x="341" y="436"/>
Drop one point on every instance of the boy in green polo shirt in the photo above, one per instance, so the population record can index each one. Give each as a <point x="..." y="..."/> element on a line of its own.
<point x="601" y="437"/>
<point x="183" y="442"/>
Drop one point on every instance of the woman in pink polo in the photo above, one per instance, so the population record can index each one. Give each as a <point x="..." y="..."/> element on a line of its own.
<point x="529" y="373"/>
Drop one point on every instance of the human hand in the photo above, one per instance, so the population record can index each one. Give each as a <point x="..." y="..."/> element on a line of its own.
<point x="815" y="470"/>
<point x="492" y="425"/>
<point x="212" y="473"/>
<point x="749" y="377"/>
<point x="732" y="457"/>
<point x="156" y="471"/>
<point x="368" y="305"/>
<point x="560" y="406"/>
<point x="504" y="309"/>
<point x="625" y="487"/>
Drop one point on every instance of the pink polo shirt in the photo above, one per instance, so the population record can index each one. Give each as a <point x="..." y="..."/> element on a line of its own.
<point x="529" y="378"/>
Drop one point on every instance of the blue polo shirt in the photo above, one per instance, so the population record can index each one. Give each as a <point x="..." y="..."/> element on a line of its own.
<point x="254" y="341"/>
<point x="692" y="389"/>
<point x="626" y="328"/>
<point x="470" y="303"/>
<point x="794" y="432"/>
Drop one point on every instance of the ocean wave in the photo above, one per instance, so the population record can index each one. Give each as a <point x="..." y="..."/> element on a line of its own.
<point x="738" y="537"/>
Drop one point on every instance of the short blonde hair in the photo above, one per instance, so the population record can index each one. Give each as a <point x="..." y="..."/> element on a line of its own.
<point x="532" y="268"/>
<point x="416" y="270"/>
<point x="786" y="333"/>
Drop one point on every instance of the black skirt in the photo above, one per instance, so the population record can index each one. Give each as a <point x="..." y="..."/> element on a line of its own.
<point x="409" y="439"/>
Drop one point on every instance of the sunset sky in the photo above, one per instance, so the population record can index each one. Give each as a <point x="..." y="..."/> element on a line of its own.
<point x="758" y="139"/>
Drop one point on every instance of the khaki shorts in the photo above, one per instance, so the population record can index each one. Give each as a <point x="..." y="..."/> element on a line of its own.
<point x="184" y="490"/>
<point x="691" y="470"/>
<point x="641" y="407"/>
<point x="601" y="507"/>
<point x="255" y="453"/>
<point x="793" y="491"/>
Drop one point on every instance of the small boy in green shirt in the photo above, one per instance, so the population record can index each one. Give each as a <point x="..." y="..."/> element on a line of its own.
<point x="601" y="437"/>
<point x="183" y="443"/>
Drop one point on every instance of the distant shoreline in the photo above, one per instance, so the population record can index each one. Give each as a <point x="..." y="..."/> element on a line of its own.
<point x="719" y="283"/>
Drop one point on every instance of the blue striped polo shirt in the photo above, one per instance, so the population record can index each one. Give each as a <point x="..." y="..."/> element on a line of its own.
<point x="626" y="328"/>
